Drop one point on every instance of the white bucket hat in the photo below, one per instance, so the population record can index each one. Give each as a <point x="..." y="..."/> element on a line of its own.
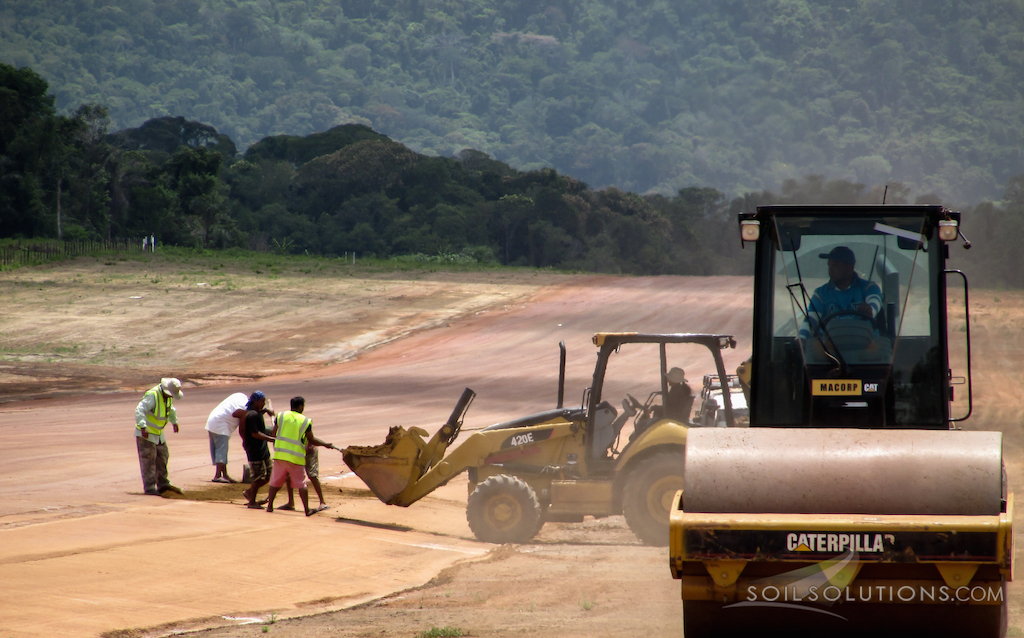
<point x="171" y="387"/>
<point x="676" y="375"/>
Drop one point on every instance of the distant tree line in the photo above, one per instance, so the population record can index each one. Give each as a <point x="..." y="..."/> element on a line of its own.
<point x="644" y="95"/>
<point x="351" y="189"/>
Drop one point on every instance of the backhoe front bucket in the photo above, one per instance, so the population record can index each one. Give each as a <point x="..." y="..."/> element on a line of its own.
<point x="389" y="468"/>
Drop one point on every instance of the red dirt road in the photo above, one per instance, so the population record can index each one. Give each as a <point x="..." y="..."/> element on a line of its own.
<point x="82" y="552"/>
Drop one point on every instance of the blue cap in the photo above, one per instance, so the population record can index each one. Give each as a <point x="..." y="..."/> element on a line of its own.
<point x="841" y="254"/>
<point x="257" y="395"/>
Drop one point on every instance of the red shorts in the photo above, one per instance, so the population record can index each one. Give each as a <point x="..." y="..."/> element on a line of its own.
<point x="283" y="469"/>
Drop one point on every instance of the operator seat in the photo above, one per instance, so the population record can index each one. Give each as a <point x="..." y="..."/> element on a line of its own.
<point x="608" y="424"/>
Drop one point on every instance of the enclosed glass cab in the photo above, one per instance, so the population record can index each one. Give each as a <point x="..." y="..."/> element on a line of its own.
<point x="849" y="316"/>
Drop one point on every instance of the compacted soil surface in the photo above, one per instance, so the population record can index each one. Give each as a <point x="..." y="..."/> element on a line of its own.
<point x="84" y="553"/>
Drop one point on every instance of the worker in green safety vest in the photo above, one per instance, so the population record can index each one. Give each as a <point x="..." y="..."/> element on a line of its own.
<point x="293" y="431"/>
<point x="152" y="415"/>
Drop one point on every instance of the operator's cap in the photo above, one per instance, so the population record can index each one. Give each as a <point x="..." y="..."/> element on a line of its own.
<point x="171" y="387"/>
<point x="676" y="375"/>
<point x="841" y="254"/>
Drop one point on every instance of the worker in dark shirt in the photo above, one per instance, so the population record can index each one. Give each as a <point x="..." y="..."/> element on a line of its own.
<point x="679" y="401"/>
<point x="254" y="439"/>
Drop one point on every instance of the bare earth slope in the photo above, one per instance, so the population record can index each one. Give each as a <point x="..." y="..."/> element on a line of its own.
<point x="113" y="325"/>
<point x="82" y="552"/>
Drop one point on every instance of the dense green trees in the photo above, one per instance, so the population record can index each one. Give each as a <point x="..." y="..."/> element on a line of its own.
<point x="373" y="195"/>
<point x="53" y="168"/>
<point x="346" y="190"/>
<point x="642" y="95"/>
<point x="29" y="132"/>
<point x="996" y="231"/>
<point x="350" y="189"/>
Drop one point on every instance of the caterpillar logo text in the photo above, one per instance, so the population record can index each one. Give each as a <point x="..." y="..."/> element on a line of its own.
<point x="867" y="543"/>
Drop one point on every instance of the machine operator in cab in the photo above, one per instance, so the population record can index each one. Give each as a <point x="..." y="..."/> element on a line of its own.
<point x="844" y="291"/>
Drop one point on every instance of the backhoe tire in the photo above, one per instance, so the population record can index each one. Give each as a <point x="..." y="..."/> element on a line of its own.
<point x="504" y="509"/>
<point x="647" y="496"/>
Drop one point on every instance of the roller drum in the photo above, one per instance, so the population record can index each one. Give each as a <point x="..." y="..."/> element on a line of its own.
<point x="843" y="471"/>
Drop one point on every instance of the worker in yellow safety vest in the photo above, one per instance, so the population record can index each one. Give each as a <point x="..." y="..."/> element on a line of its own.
<point x="293" y="431"/>
<point x="153" y="413"/>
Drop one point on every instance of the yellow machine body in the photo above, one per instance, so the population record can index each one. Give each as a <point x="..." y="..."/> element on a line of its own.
<point x="854" y="505"/>
<point x="558" y="465"/>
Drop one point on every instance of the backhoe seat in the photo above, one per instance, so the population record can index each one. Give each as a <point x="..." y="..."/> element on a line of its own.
<point x="607" y="423"/>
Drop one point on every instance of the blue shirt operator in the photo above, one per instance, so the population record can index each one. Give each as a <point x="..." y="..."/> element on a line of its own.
<point x="845" y="290"/>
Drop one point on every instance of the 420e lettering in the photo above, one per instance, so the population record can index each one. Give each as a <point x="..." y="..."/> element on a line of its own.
<point x="526" y="438"/>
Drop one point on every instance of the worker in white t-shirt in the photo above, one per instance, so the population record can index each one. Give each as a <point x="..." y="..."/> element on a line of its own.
<point x="223" y="420"/>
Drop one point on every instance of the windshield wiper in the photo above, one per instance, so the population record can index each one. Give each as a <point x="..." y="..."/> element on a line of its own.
<point x="805" y="309"/>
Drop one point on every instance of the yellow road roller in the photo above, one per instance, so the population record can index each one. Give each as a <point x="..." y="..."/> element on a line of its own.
<point x="854" y="504"/>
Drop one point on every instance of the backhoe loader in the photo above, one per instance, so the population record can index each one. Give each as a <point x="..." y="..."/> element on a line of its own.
<point x="853" y="504"/>
<point x="565" y="463"/>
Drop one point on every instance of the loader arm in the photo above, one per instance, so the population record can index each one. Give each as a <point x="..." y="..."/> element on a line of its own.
<point x="393" y="470"/>
<point x="471" y="453"/>
<point x="407" y="467"/>
<point x="435" y="449"/>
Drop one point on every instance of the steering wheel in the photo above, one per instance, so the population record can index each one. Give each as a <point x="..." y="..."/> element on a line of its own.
<point x="848" y="312"/>
<point x="636" y="404"/>
<point x="628" y="409"/>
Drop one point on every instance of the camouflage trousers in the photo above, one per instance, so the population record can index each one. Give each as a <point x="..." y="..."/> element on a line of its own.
<point x="153" y="464"/>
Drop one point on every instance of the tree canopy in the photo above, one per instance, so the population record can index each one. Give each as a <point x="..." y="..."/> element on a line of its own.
<point x="648" y="96"/>
<point x="352" y="190"/>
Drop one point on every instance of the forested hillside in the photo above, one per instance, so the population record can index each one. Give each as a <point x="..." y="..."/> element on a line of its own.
<point x="353" y="190"/>
<point x="347" y="190"/>
<point x="643" y="95"/>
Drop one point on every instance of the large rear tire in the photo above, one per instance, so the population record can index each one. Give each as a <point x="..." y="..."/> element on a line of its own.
<point x="504" y="509"/>
<point x="648" y="493"/>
